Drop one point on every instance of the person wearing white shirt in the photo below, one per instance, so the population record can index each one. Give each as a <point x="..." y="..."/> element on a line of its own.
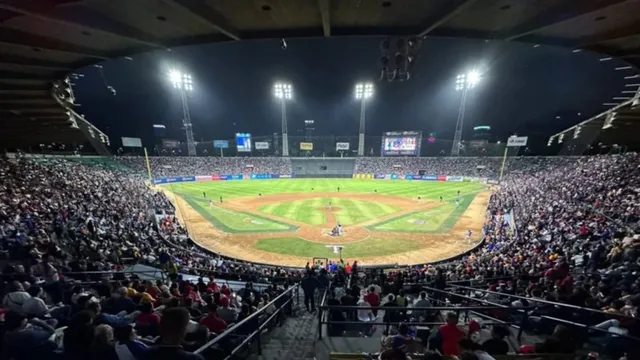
<point x="366" y="316"/>
<point x="16" y="297"/>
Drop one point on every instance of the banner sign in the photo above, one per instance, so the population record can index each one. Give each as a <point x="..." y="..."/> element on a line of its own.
<point x="517" y="141"/>
<point x="379" y="176"/>
<point x="493" y="182"/>
<point x="395" y="177"/>
<point x="441" y="178"/>
<point x="363" y="176"/>
<point x="260" y="176"/>
<point x="170" y="144"/>
<point x="430" y="177"/>
<point x="221" y="144"/>
<point x="342" y="146"/>
<point x="131" y="142"/>
<point x="275" y="176"/>
<point x="287" y="176"/>
<point x="454" y="178"/>
<point x="205" y="177"/>
<point x="173" y="179"/>
<point x="306" y="146"/>
<point x="262" y="145"/>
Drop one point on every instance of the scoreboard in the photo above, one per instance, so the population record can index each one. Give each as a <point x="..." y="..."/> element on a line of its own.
<point x="401" y="143"/>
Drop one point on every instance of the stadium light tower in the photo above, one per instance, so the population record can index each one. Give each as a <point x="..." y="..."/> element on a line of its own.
<point x="464" y="82"/>
<point x="363" y="92"/>
<point x="184" y="84"/>
<point x="283" y="92"/>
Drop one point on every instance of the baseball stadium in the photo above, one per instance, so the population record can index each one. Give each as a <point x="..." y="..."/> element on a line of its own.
<point x="320" y="179"/>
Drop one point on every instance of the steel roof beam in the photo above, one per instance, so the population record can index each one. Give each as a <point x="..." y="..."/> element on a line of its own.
<point x="33" y="63"/>
<point x="80" y="18"/>
<point x="15" y="37"/>
<point x="325" y="14"/>
<point x="200" y="9"/>
<point x="449" y="11"/>
<point x="567" y="11"/>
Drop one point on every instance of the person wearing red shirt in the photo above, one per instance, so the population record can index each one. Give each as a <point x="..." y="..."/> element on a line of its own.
<point x="225" y="290"/>
<point x="373" y="299"/>
<point x="212" y="321"/>
<point x="450" y="333"/>
<point x="212" y="285"/>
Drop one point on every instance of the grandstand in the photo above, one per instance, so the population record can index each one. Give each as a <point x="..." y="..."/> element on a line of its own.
<point x="534" y="257"/>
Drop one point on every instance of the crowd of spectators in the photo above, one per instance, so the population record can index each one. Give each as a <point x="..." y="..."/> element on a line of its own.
<point x="208" y="165"/>
<point x="574" y="239"/>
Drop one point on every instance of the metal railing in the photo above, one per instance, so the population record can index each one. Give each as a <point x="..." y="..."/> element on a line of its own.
<point x="261" y="320"/>
<point x="569" y="307"/>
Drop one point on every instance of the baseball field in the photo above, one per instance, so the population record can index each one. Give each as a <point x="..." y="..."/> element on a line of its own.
<point x="291" y="221"/>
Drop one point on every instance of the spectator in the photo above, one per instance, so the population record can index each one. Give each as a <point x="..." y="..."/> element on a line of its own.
<point x="226" y="312"/>
<point x="103" y="347"/>
<point x="213" y="321"/>
<point x="173" y="329"/>
<point x="497" y="345"/>
<point x="16" y="298"/>
<point x="23" y="340"/>
<point x="78" y="336"/>
<point x="127" y="346"/>
<point x="450" y="334"/>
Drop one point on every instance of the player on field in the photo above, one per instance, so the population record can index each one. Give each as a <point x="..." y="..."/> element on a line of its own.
<point x="458" y="192"/>
<point x="468" y="238"/>
<point x="204" y="194"/>
<point x="221" y="199"/>
<point x="457" y="202"/>
<point x="440" y="198"/>
<point x="329" y="205"/>
<point x="210" y="203"/>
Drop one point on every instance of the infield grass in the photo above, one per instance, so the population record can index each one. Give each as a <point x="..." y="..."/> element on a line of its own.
<point x="346" y="211"/>
<point x="374" y="246"/>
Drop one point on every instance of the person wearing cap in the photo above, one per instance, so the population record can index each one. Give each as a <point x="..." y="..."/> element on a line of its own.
<point x="450" y="333"/>
<point x="26" y="340"/>
<point x="226" y="312"/>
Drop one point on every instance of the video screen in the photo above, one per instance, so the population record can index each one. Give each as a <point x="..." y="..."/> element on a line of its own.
<point x="243" y="142"/>
<point x="406" y="143"/>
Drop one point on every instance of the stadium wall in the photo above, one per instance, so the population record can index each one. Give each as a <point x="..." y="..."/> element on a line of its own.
<point x="324" y="168"/>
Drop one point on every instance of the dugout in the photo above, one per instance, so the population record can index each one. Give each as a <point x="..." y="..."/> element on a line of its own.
<point x="319" y="167"/>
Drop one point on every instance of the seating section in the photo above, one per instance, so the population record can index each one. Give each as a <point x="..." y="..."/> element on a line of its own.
<point x="68" y="226"/>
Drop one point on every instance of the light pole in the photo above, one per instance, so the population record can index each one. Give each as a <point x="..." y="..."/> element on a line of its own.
<point x="363" y="92"/>
<point x="184" y="84"/>
<point x="464" y="82"/>
<point x="283" y="92"/>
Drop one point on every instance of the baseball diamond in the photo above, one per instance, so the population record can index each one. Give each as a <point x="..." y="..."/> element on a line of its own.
<point x="290" y="221"/>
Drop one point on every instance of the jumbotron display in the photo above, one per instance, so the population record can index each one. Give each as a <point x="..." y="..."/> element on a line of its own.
<point x="401" y="143"/>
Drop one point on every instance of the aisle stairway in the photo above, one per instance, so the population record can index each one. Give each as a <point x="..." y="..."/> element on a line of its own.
<point x="294" y="340"/>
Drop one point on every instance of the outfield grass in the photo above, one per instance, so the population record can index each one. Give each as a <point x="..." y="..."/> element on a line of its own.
<point x="437" y="220"/>
<point x="235" y="221"/>
<point x="406" y="188"/>
<point x="347" y="211"/>
<point x="370" y="247"/>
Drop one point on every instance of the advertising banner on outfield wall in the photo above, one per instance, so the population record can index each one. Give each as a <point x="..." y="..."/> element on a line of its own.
<point x="430" y="177"/>
<point x="441" y="178"/>
<point x="395" y="176"/>
<point x="363" y="176"/>
<point x="262" y="145"/>
<point x="380" y="176"/>
<point x="454" y="178"/>
<point x="342" y="146"/>
<point x="308" y="146"/>
<point x="202" y="178"/>
<point x="287" y="176"/>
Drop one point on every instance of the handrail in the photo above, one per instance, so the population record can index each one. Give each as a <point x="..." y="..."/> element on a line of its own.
<point x="542" y="301"/>
<point x="244" y="321"/>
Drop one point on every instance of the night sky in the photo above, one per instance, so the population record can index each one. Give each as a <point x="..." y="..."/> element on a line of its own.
<point x="522" y="91"/>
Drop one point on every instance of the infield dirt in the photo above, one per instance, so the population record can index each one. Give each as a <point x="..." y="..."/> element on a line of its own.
<point x="433" y="247"/>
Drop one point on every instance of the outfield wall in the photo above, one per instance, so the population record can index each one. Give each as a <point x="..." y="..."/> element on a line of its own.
<point x="235" y="177"/>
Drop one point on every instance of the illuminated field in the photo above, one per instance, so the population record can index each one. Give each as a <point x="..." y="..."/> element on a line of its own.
<point x="289" y="221"/>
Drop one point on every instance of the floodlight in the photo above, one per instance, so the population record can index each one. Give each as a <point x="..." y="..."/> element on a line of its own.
<point x="180" y="80"/>
<point x="364" y="90"/>
<point x="468" y="80"/>
<point x="283" y="91"/>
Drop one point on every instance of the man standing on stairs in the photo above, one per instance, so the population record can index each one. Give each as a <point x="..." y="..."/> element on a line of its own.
<point x="309" y="285"/>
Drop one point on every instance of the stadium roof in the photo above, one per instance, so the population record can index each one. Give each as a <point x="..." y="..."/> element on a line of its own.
<point x="42" y="41"/>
